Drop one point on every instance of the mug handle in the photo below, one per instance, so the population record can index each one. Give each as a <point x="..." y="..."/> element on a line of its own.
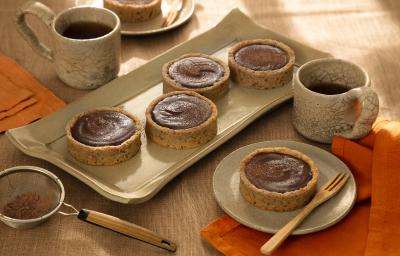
<point x="45" y="15"/>
<point x="369" y="107"/>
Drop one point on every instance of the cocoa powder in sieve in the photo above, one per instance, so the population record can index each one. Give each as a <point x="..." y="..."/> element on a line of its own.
<point x="29" y="205"/>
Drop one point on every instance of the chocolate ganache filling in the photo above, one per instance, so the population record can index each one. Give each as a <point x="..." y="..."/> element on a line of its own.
<point x="196" y="72"/>
<point x="277" y="172"/>
<point x="261" y="57"/>
<point x="181" y="111"/>
<point x="103" y="128"/>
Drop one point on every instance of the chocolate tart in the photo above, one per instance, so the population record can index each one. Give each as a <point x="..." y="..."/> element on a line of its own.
<point x="103" y="136"/>
<point x="134" y="10"/>
<point x="181" y="120"/>
<point x="261" y="63"/>
<point x="197" y="72"/>
<point x="278" y="179"/>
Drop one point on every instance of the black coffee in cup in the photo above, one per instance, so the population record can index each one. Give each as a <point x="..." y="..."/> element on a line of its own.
<point x="86" y="30"/>
<point x="329" y="88"/>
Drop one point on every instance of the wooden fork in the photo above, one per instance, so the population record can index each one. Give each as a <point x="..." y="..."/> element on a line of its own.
<point x="176" y="7"/>
<point x="328" y="190"/>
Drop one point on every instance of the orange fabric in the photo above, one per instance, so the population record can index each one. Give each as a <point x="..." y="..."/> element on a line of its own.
<point x="20" y="106"/>
<point x="11" y="94"/>
<point x="233" y="239"/>
<point x="22" y="98"/>
<point x="359" y="159"/>
<point x="384" y="231"/>
<point x="368" y="141"/>
<point x="371" y="228"/>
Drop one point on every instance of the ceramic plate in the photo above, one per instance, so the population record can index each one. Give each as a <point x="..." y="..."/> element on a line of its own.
<point x="142" y="176"/>
<point x="226" y="189"/>
<point x="152" y="26"/>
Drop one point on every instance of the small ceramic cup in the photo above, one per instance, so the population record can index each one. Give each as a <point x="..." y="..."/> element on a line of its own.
<point x="80" y="63"/>
<point x="333" y="97"/>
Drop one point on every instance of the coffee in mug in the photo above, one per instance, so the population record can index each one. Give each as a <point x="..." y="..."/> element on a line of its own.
<point x="86" y="48"/>
<point x="86" y="30"/>
<point x="329" y="88"/>
<point x="333" y="97"/>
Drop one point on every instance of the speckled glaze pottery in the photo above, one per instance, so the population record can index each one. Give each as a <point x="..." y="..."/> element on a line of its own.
<point x="320" y="116"/>
<point x="80" y="63"/>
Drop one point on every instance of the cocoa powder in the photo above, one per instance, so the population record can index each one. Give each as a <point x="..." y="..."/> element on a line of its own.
<point x="28" y="205"/>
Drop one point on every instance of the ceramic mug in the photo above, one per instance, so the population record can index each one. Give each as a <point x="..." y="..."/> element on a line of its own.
<point x="80" y="63"/>
<point x="333" y="97"/>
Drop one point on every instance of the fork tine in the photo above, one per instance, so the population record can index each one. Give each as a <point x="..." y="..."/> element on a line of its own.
<point x="327" y="184"/>
<point x="336" y="181"/>
<point x="166" y="20"/>
<point x="173" y="13"/>
<point x="174" y="16"/>
<point x="332" y="184"/>
<point x="335" y="184"/>
<point x="341" y="183"/>
<point x="171" y="18"/>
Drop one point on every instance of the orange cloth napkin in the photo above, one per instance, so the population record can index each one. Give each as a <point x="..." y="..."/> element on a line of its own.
<point x="371" y="228"/>
<point x="22" y="98"/>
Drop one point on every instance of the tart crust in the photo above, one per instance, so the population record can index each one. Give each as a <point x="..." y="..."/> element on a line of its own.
<point x="261" y="79"/>
<point x="104" y="155"/>
<point x="274" y="201"/>
<point x="181" y="138"/>
<point x="131" y="12"/>
<point x="213" y="92"/>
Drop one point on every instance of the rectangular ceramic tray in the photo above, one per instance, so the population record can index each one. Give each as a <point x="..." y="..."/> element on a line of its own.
<point x="141" y="177"/>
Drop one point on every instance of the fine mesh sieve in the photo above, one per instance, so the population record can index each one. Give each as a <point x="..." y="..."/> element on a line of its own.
<point x="22" y="187"/>
<point x="29" y="195"/>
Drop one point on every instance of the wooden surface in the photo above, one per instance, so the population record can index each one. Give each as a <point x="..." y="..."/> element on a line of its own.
<point x="363" y="31"/>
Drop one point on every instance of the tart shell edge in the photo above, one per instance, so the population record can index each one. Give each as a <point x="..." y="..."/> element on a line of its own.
<point x="267" y="79"/>
<point x="213" y="92"/>
<point x="104" y="155"/>
<point x="181" y="138"/>
<point x="275" y="201"/>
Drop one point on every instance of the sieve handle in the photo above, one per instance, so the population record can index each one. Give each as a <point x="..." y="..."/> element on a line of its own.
<point x="126" y="228"/>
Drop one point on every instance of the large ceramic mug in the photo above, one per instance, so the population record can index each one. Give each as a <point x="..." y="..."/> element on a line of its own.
<point x="80" y="63"/>
<point x="333" y="97"/>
